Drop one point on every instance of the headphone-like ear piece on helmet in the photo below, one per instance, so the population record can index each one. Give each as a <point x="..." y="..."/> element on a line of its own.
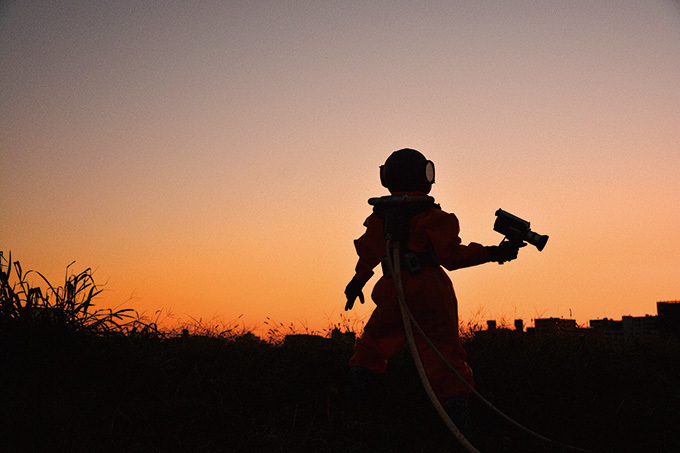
<point x="429" y="172"/>
<point x="383" y="180"/>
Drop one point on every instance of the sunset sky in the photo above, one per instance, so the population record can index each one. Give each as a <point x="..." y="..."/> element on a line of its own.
<point x="214" y="159"/>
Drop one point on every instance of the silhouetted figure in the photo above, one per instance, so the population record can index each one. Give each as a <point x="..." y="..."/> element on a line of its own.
<point x="429" y="239"/>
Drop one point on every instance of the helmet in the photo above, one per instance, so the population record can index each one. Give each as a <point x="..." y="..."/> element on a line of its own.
<point x="407" y="170"/>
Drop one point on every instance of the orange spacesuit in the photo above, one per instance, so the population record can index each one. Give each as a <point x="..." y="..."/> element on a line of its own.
<point x="432" y="237"/>
<point x="429" y="295"/>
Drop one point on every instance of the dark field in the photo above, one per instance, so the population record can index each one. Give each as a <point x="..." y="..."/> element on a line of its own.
<point x="73" y="378"/>
<point x="64" y="390"/>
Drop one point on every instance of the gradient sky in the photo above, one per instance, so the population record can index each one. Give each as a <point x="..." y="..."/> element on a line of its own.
<point x="214" y="159"/>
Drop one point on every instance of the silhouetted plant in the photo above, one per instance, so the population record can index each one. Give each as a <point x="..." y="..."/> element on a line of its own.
<point x="23" y="305"/>
<point x="351" y="323"/>
<point x="214" y="328"/>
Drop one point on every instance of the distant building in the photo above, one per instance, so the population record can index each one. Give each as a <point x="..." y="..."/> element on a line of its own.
<point x="608" y="328"/>
<point x="519" y="325"/>
<point x="639" y="327"/>
<point x="669" y="316"/>
<point x="629" y="328"/>
<point x="555" y="326"/>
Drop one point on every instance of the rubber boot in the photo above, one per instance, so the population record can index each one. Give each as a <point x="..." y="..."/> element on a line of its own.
<point x="357" y="388"/>
<point x="458" y="408"/>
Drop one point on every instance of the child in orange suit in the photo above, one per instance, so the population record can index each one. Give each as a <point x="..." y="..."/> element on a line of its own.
<point x="433" y="238"/>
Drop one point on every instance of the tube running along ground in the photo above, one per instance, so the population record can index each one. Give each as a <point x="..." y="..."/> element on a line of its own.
<point x="393" y="260"/>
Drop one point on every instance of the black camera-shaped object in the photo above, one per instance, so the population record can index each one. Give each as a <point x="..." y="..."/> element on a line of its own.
<point x="517" y="230"/>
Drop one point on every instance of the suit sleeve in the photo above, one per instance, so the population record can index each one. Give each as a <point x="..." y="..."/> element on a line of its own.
<point x="444" y="235"/>
<point x="370" y="247"/>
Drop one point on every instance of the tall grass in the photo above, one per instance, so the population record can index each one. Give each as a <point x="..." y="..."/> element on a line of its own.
<point x="28" y="307"/>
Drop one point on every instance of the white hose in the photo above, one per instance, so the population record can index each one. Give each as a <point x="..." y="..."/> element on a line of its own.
<point x="405" y="314"/>
<point x="408" y="318"/>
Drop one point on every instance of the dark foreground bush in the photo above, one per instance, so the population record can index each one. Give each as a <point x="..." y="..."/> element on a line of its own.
<point x="77" y="379"/>
<point x="91" y="392"/>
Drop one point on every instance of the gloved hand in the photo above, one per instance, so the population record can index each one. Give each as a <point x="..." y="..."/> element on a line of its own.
<point x="352" y="291"/>
<point x="506" y="251"/>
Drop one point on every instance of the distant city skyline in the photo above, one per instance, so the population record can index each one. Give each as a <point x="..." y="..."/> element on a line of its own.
<point x="667" y="320"/>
